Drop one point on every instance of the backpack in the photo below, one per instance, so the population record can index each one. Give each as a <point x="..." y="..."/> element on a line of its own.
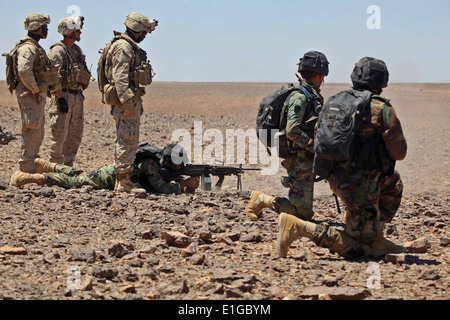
<point x="339" y="125"/>
<point x="11" y="66"/>
<point x="272" y="118"/>
<point x="147" y="151"/>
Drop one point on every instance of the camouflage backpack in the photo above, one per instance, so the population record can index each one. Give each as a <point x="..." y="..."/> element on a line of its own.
<point x="11" y="66"/>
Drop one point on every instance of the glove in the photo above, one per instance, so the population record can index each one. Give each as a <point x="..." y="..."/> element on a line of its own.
<point x="190" y="184"/>
<point x="62" y="104"/>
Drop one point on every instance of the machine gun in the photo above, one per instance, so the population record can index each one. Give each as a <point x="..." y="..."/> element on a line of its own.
<point x="206" y="171"/>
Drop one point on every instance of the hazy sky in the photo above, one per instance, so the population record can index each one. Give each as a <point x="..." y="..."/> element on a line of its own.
<point x="258" y="40"/>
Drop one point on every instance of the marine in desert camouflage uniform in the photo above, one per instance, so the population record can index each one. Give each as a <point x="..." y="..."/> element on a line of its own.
<point x="123" y="60"/>
<point x="34" y="78"/>
<point x="301" y="109"/>
<point x="53" y="174"/>
<point x="372" y="195"/>
<point x="68" y="125"/>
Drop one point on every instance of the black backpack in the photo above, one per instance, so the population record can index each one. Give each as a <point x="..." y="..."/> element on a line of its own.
<point x="147" y="151"/>
<point x="338" y="135"/>
<point x="272" y="118"/>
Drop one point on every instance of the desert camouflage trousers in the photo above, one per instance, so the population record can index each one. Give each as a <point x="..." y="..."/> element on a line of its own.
<point x="300" y="181"/>
<point x="69" y="178"/>
<point x="33" y="129"/>
<point x="370" y="198"/>
<point x="67" y="129"/>
<point x="127" y="130"/>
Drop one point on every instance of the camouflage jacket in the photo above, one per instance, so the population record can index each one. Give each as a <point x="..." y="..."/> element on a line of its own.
<point x="150" y="177"/>
<point x="31" y="58"/>
<point x="296" y="130"/>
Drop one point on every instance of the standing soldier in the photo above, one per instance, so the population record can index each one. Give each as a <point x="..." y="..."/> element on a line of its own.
<point x="370" y="186"/>
<point x="67" y="124"/>
<point x="32" y="78"/>
<point x="301" y="108"/>
<point x="123" y="74"/>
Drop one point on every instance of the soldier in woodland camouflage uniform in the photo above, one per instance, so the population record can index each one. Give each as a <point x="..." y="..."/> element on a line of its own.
<point x="301" y="114"/>
<point x="33" y="77"/>
<point x="128" y="73"/>
<point x="372" y="191"/>
<point x="150" y="170"/>
<point x="67" y="125"/>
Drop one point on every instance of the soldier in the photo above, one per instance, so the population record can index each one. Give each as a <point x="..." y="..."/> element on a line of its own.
<point x="67" y="124"/>
<point x="33" y="78"/>
<point x="301" y="111"/>
<point x="127" y="72"/>
<point x="153" y="171"/>
<point x="372" y="190"/>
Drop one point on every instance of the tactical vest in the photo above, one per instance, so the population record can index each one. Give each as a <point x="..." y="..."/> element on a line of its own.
<point x="140" y="73"/>
<point x="46" y="76"/>
<point x="74" y="72"/>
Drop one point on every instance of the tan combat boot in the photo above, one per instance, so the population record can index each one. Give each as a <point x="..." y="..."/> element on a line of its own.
<point x="382" y="246"/>
<point x="19" y="179"/>
<point x="291" y="228"/>
<point x="124" y="184"/>
<point x="258" y="201"/>
<point x="42" y="166"/>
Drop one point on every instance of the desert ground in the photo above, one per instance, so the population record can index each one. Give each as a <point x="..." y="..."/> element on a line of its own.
<point x="84" y="244"/>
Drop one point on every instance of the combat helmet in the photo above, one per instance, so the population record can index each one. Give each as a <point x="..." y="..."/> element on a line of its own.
<point x="172" y="155"/>
<point x="370" y="73"/>
<point x="314" y="61"/>
<point x="138" y="22"/>
<point x="70" y="24"/>
<point x="36" y="20"/>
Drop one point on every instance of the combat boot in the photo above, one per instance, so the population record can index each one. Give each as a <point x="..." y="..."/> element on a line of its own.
<point x="381" y="245"/>
<point x="258" y="201"/>
<point x="124" y="184"/>
<point x="291" y="228"/>
<point x="42" y="166"/>
<point x="19" y="179"/>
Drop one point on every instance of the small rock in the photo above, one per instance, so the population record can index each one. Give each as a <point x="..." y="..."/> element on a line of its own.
<point x="190" y="250"/>
<point x="13" y="251"/>
<point x="105" y="273"/>
<point x="177" y="287"/>
<point x="251" y="237"/>
<point x="3" y="185"/>
<point x="85" y="254"/>
<point x="205" y="235"/>
<point x="324" y="297"/>
<point x="330" y="281"/>
<point x="197" y="259"/>
<point x="417" y="246"/>
<point x="45" y="192"/>
<point x="118" y="250"/>
<point x="395" y="258"/>
<point x="176" y="239"/>
<point x="444" y="242"/>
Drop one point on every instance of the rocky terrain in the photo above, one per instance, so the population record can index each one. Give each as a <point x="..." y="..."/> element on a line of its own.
<point x="86" y="244"/>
